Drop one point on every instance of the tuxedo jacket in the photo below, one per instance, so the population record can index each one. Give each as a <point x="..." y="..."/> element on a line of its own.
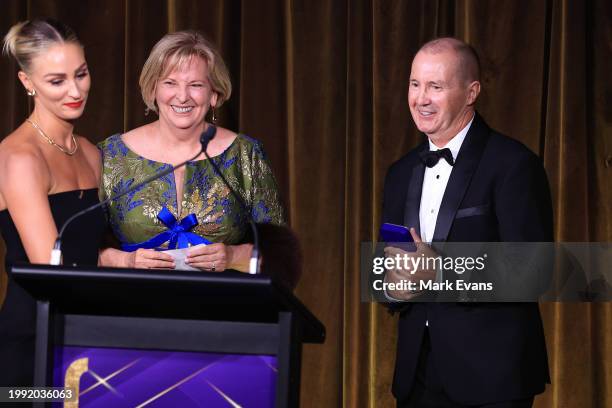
<point x="497" y="192"/>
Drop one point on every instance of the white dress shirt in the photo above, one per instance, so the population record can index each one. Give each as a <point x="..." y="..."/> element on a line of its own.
<point x="434" y="185"/>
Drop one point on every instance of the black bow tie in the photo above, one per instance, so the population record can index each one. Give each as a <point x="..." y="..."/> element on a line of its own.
<point x="430" y="158"/>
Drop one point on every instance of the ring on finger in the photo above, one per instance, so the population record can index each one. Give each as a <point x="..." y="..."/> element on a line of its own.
<point x="213" y="267"/>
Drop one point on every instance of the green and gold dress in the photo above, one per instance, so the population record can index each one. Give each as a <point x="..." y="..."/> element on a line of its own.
<point x="135" y="218"/>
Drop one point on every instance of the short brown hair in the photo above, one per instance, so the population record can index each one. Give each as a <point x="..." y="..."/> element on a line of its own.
<point x="469" y="61"/>
<point x="176" y="49"/>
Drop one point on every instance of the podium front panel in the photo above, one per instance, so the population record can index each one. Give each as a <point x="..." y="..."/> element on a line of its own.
<point x="112" y="377"/>
<point x="137" y="362"/>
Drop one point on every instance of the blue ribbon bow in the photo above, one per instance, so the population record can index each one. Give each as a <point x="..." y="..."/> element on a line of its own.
<point x="177" y="235"/>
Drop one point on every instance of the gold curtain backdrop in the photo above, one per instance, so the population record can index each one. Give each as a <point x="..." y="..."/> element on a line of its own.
<point x="323" y="85"/>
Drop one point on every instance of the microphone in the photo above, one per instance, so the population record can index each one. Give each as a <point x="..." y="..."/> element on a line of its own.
<point x="56" y="252"/>
<point x="254" y="261"/>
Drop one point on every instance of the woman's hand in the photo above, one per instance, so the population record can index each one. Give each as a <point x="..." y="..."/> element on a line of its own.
<point x="212" y="257"/>
<point x="141" y="258"/>
<point x="149" y="259"/>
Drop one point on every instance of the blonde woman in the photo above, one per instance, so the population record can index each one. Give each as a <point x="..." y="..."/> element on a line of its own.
<point x="183" y="79"/>
<point x="47" y="173"/>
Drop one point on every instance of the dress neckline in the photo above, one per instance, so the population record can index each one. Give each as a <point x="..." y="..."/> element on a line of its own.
<point x="129" y="150"/>
<point x="67" y="192"/>
<point x="73" y="191"/>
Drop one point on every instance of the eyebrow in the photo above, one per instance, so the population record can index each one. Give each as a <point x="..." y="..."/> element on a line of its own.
<point x="62" y="75"/>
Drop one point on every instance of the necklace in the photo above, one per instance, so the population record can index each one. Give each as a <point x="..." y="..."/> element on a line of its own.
<point x="52" y="142"/>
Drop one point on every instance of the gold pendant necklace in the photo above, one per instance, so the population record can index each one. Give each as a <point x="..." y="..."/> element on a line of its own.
<point x="52" y="142"/>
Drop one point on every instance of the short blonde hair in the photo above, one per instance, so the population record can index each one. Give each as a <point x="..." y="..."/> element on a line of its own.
<point x="27" y="39"/>
<point x="175" y="50"/>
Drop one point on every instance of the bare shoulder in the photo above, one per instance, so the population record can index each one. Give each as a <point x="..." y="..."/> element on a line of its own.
<point x="19" y="149"/>
<point x="22" y="166"/>
<point x="22" y="161"/>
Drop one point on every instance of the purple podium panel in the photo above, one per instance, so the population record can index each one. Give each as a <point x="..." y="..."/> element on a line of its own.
<point x="112" y="377"/>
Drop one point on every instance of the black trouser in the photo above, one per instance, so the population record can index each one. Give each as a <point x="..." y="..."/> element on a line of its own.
<point x="428" y="392"/>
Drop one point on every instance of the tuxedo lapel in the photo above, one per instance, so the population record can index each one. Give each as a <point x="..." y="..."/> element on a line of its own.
<point x="413" y="197"/>
<point x="461" y="175"/>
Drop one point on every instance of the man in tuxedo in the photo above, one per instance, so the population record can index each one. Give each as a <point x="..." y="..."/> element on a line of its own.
<point x="466" y="183"/>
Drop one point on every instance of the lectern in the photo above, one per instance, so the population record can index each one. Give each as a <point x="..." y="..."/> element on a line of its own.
<point x="223" y="339"/>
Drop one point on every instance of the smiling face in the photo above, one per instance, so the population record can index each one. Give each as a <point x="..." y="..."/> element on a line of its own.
<point x="184" y="96"/>
<point x="440" y="98"/>
<point x="61" y="80"/>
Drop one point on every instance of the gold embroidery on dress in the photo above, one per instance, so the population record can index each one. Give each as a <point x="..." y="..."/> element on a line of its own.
<point x="218" y="213"/>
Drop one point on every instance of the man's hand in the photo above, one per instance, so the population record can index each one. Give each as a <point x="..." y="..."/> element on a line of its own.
<point x="406" y="272"/>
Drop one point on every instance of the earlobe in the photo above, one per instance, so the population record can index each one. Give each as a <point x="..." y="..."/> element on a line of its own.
<point x="25" y="81"/>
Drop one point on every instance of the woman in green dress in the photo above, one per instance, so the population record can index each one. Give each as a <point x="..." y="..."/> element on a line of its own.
<point x="182" y="80"/>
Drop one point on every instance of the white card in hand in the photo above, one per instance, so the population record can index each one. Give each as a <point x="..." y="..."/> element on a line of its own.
<point x="179" y="256"/>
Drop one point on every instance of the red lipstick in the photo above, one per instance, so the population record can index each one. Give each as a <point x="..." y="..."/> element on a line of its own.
<point x="74" y="105"/>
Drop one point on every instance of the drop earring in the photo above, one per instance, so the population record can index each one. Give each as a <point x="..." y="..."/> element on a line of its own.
<point x="31" y="92"/>
<point x="213" y="115"/>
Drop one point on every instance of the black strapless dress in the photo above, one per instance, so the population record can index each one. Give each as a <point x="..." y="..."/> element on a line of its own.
<point x="80" y="246"/>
